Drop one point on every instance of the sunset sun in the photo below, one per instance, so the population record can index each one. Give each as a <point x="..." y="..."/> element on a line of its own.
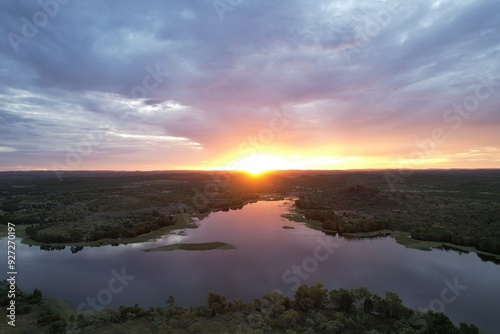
<point x="257" y="164"/>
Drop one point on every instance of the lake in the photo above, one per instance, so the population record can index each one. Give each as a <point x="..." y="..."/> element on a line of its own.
<point x="267" y="258"/>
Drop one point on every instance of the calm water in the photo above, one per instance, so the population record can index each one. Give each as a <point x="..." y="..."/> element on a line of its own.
<point x="267" y="258"/>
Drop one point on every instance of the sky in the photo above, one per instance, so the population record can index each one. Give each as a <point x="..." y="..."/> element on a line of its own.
<point x="249" y="84"/>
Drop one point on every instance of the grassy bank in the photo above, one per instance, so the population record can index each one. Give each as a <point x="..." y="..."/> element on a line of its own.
<point x="381" y="233"/>
<point x="404" y="239"/>
<point x="193" y="247"/>
<point x="299" y="218"/>
<point x="20" y="231"/>
<point x="182" y="221"/>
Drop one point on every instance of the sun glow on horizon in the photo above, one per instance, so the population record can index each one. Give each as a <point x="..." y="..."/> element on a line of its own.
<point x="258" y="164"/>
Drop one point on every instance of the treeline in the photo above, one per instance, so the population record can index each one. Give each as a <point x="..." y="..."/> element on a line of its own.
<point x="307" y="204"/>
<point x="314" y="309"/>
<point x="333" y="222"/>
<point x="128" y="230"/>
<point x="235" y="202"/>
<point x="132" y="230"/>
<point x="354" y="197"/>
<point x="426" y="232"/>
<point x="485" y="244"/>
<point x="472" y="229"/>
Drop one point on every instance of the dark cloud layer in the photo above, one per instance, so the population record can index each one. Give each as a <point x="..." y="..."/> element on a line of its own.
<point x="176" y="84"/>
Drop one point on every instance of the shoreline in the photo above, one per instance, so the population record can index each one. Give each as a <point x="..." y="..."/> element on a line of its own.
<point x="185" y="221"/>
<point x="402" y="238"/>
<point x="202" y="246"/>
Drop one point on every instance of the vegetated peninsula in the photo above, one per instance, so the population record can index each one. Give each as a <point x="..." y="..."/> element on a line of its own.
<point x="455" y="209"/>
<point x="313" y="309"/>
<point x="433" y="208"/>
<point x="193" y="247"/>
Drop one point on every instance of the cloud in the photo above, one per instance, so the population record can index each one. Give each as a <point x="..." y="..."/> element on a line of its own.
<point x="4" y="149"/>
<point x="172" y="77"/>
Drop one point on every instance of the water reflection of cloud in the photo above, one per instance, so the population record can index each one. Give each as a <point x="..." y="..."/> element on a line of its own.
<point x="166" y="240"/>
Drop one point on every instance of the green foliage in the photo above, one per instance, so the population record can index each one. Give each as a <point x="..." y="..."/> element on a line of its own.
<point x="36" y="297"/>
<point x="354" y="311"/>
<point x="236" y="305"/>
<point x="257" y="304"/>
<point x="468" y="329"/>
<point x="275" y="303"/>
<point x="342" y="300"/>
<point x="49" y="319"/>
<point x="170" y="301"/>
<point x="128" y="312"/>
<point x="289" y="319"/>
<point x="368" y="306"/>
<point x="439" y="323"/>
<point x="333" y="326"/>
<point x="195" y="328"/>
<point x="395" y="306"/>
<point x="456" y="207"/>
<point x="216" y="302"/>
<point x="308" y="297"/>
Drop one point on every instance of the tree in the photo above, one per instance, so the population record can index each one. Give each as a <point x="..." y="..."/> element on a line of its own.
<point x="394" y="305"/>
<point x="359" y="295"/>
<point x="37" y="296"/>
<point x="403" y="327"/>
<point x="468" y="329"/>
<point x="368" y="306"/>
<point x="216" y="302"/>
<point x="314" y="296"/>
<point x="342" y="300"/>
<point x="439" y="323"/>
<point x="289" y="319"/>
<point x="236" y="305"/>
<point x="214" y="297"/>
<point x="171" y="301"/>
<point x="275" y="303"/>
<point x="257" y="304"/>
<point x="333" y="326"/>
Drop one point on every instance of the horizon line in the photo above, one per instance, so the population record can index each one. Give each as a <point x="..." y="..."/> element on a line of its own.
<point x="238" y="170"/>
